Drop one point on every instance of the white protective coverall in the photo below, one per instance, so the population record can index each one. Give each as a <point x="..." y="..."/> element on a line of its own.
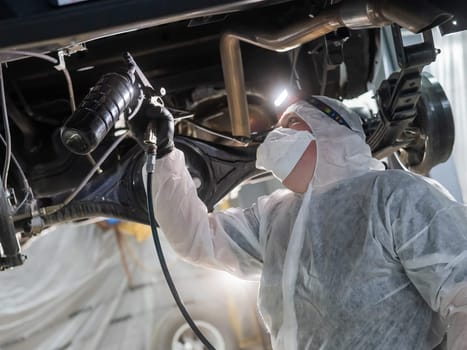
<point x="365" y="259"/>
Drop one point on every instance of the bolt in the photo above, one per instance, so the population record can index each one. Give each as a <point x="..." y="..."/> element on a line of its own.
<point x="197" y="182"/>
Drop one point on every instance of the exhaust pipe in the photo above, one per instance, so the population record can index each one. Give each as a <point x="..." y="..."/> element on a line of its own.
<point x="359" y="14"/>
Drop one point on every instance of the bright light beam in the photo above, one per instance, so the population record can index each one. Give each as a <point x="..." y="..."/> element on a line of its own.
<point x="281" y="98"/>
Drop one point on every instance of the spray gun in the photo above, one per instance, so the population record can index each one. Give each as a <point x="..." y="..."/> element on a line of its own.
<point x="150" y="141"/>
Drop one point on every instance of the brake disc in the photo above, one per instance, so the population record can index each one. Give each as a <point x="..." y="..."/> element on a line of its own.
<point x="433" y="130"/>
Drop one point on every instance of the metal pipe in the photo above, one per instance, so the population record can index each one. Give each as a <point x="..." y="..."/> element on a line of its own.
<point x="284" y="40"/>
<point x="290" y="37"/>
<point x="414" y="15"/>
<point x="358" y="14"/>
<point x="232" y="67"/>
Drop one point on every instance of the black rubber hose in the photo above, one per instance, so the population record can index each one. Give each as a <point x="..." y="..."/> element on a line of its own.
<point x="165" y="270"/>
<point x="82" y="210"/>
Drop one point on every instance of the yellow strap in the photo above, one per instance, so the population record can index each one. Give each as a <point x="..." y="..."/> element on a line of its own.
<point x="139" y="231"/>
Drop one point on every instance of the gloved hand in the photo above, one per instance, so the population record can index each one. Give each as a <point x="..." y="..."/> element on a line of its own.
<point x="162" y="122"/>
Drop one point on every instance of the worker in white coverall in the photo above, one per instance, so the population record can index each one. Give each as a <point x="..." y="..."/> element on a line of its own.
<point x="351" y="256"/>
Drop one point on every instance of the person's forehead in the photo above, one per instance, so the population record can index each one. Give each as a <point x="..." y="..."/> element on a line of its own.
<point x="287" y="115"/>
<point x="298" y="123"/>
<point x="291" y="111"/>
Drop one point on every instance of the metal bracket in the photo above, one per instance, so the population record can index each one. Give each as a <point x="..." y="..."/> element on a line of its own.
<point x="398" y="95"/>
<point x="335" y="46"/>
<point x="37" y="224"/>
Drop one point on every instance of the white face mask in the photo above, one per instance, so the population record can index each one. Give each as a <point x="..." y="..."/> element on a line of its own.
<point x="281" y="150"/>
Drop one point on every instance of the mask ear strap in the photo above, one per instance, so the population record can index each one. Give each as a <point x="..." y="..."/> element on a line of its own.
<point x="326" y="109"/>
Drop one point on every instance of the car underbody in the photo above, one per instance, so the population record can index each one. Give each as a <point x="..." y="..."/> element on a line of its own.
<point x="218" y="68"/>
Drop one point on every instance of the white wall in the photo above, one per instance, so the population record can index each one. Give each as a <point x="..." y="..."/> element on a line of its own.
<point x="450" y="69"/>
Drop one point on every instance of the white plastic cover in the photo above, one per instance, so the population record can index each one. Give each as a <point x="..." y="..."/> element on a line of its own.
<point x="73" y="293"/>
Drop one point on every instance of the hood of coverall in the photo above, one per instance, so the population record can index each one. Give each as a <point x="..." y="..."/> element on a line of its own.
<point x="341" y="153"/>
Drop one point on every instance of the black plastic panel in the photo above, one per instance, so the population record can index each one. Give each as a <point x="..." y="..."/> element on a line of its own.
<point x="38" y="25"/>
